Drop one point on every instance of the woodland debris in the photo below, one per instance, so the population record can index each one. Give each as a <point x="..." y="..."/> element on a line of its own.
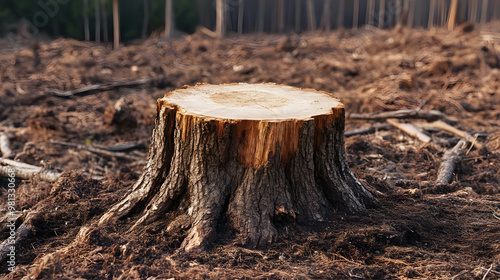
<point x="368" y="130"/>
<point x="450" y="160"/>
<point x="104" y="87"/>
<point x="460" y="133"/>
<point x="26" y="171"/>
<point x="5" y="146"/>
<point x="97" y="150"/>
<point x="410" y="130"/>
<point x="432" y="115"/>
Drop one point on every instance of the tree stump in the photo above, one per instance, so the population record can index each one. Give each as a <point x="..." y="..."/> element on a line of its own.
<point x="245" y="154"/>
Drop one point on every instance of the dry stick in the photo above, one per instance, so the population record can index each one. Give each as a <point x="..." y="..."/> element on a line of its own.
<point x="18" y="164"/>
<point x="97" y="150"/>
<point x="487" y="272"/>
<point x="450" y="160"/>
<point x="402" y="114"/>
<point x="460" y="133"/>
<point x="124" y="147"/>
<point x="492" y="271"/>
<point x="460" y="274"/>
<point x="410" y="130"/>
<point x="368" y="130"/>
<point x="22" y="232"/>
<point x="102" y="87"/>
<point x="30" y="173"/>
<point x="5" y="146"/>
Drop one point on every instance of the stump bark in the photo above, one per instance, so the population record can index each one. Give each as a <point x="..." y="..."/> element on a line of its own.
<point x="245" y="154"/>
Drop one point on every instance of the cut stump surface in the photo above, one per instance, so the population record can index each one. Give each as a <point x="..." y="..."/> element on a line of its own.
<point x="244" y="155"/>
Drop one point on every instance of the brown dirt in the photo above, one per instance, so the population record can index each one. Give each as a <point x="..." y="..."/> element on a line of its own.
<point x="418" y="231"/>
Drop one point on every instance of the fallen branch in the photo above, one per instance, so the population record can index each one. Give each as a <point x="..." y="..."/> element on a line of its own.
<point x="402" y="114"/>
<point x="460" y="274"/>
<point x="97" y="150"/>
<point x="487" y="272"/>
<point x="368" y="130"/>
<point x="410" y="130"/>
<point x="31" y="173"/>
<point x="5" y="146"/>
<point x="492" y="271"/>
<point x="124" y="147"/>
<point x="22" y="232"/>
<point x="18" y="164"/>
<point x="460" y="133"/>
<point x="450" y="160"/>
<point x="103" y="87"/>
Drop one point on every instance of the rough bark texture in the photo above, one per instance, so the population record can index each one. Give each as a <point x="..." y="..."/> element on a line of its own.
<point x="246" y="172"/>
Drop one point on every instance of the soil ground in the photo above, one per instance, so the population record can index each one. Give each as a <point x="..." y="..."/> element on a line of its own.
<point x="417" y="231"/>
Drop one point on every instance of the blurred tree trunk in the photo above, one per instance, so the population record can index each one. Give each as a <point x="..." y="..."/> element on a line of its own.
<point x="398" y="11"/>
<point x="281" y="16"/>
<point x="311" y="16"/>
<point x="484" y="12"/>
<point x="86" y="25"/>
<point x="326" y="21"/>
<point x="355" y="15"/>
<point x="116" y="25"/>
<point x="340" y="19"/>
<point x="220" y="20"/>
<point x="169" y="18"/>
<point x="104" y="19"/>
<point x="381" y="14"/>
<point x="370" y="12"/>
<point x="260" y="16"/>
<point x="432" y="11"/>
<point x="411" y="13"/>
<point x="452" y="15"/>
<point x="297" y="15"/>
<point x="241" y="14"/>
<point x="145" y="22"/>
<point x="97" y="21"/>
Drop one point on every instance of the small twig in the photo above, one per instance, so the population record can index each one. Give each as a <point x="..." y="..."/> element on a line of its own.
<point x="355" y="276"/>
<point x="450" y="159"/>
<point x="460" y="274"/>
<point x="472" y="145"/>
<point x="410" y="130"/>
<point x="495" y="215"/>
<point x="460" y="133"/>
<point x="491" y="271"/>
<point x="97" y="150"/>
<point x="5" y="146"/>
<point x="487" y="272"/>
<point x="125" y="147"/>
<point x="402" y="114"/>
<point x="368" y="130"/>
<point x="421" y="105"/>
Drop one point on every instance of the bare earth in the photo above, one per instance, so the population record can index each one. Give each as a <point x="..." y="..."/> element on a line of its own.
<point x="417" y="231"/>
